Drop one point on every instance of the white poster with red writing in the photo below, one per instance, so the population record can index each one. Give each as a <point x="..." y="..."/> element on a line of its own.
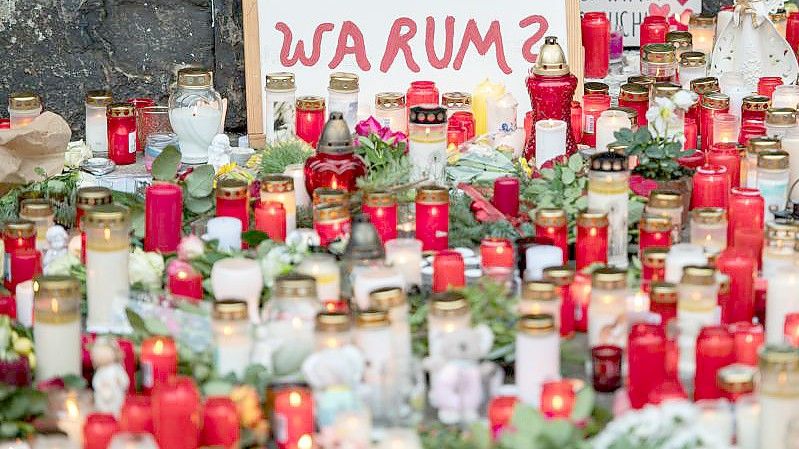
<point x="627" y="15"/>
<point x="388" y="44"/>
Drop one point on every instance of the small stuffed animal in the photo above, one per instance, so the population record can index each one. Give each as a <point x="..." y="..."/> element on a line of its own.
<point x="334" y="375"/>
<point x="110" y="381"/>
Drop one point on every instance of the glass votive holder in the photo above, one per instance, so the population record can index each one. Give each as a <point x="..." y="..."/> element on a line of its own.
<point x="785" y="96"/>
<point x="726" y="127"/>
<point x="152" y="120"/>
<point x="606" y="368"/>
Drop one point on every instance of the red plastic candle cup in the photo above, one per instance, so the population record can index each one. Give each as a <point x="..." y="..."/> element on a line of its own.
<point x="270" y="218"/>
<point x="653" y="30"/>
<point x="581" y="296"/>
<point x="98" y="430"/>
<point x="711" y="104"/>
<point x="646" y="361"/>
<point x="753" y="109"/>
<point x="186" y="283"/>
<point x="136" y="414"/>
<point x="332" y="222"/>
<point x="727" y="155"/>
<point x="746" y="211"/>
<point x="592" y="239"/>
<point x="792" y="30"/>
<point x="750" y="240"/>
<point x="595" y="28"/>
<point x="448" y="271"/>
<point x="715" y="349"/>
<point x="653" y="264"/>
<point x="563" y="277"/>
<point x="121" y="123"/>
<point x="663" y="300"/>
<point x="750" y="129"/>
<point x="575" y="121"/>
<point x="381" y="207"/>
<point x="741" y="267"/>
<point x="690" y="132"/>
<point x="422" y="92"/>
<point x="233" y="200"/>
<point x="500" y="412"/>
<point x="496" y="253"/>
<point x="294" y="416"/>
<point x="139" y="104"/>
<point x="593" y="106"/>
<point x="670" y="390"/>
<point x="635" y="96"/>
<point x="557" y="399"/>
<point x="220" y="423"/>
<point x="455" y="136"/>
<point x="24" y="264"/>
<point x="463" y="120"/>
<point x="310" y="119"/>
<point x="749" y="338"/>
<point x="176" y="413"/>
<point x="506" y="195"/>
<point x="606" y="368"/>
<point x="159" y="361"/>
<point x="654" y="231"/>
<point x="128" y="361"/>
<point x="5" y="123"/>
<point x="791" y="329"/>
<point x="163" y="217"/>
<point x="432" y="218"/>
<point x="8" y="306"/>
<point x="553" y="225"/>
<point x="711" y="187"/>
<point x="767" y="84"/>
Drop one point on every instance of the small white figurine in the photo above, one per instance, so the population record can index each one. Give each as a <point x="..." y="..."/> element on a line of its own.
<point x="219" y="151"/>
<point x="110" y="381"/>
<point x="57" y="240"/>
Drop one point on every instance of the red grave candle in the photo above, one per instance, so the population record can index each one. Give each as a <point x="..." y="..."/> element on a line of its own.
<point x="89" y="197"/>
<point x="332" y="222"/>
<point x="606" y="368"/>
<point x="293" y="416"/>
<point x="121" y="122"/>
<point x="506" y="195"/>
<point x="176" y="414"/>
<point x="711" y="186"/>
<point x="8" y="305"/>
<point x="128" y="361"/>
<point x="791" y="329"/>
<point x="381" y="207"/>
<point x="690" y="132"/>
<point x="496" y="253"/>
<point x="233" y="200"/>
<point x="635" y="96"/>
<point x="749" y="338"/>
<point x="592" y="239"/>
<point x="335" y="164"/>
<point x="646" y="361"/>
<point x="653" y="264"/>
<point x="663" y="301"/>
<point x="593" y="106"/>
<point x="751" y="241"/>
<point x="422" y="92"/>
<point x="432" y="217"/>
<point x="653" y="30"/>
<point x="792" y="30"/>
<point x="563" y="277"/>
<point x="595" y="28"/>
<point x="448" y="271"/>
<point x="136" y="414"/>
<point x="746" y="211"/>
<point x="753" y="109"/>
<point x="98" y="430"/>
<point x="220" y="423"/>
<point x="557" y="399"/>
<point x="767" y="84"/>
<point x="17" y="234"/>
<point x="751" y="129"/>
<point x="186" y="283"/>
<point x="455" y="136"/>
<point x="463" y="120"/>
<point x="575" y="121"/>
<point x="24" y="264"/>
<point x="500" y="412"/>
<point x="654" y="231"/>
<point x="727" y="155"/>
<point x="581" y="296"/>
<point x="270" y="218"/>
<point x="5" y="123"/>
<point x="712" y="103"/>
<point x="669" y="390"/>
<point x="741" y="267"/>
<point x="310" y="119"/>
<point x="163" y="217"/>
<point x="715" y="349"/>
<point x="159" y="361"/>
<point x="552" y="224"/>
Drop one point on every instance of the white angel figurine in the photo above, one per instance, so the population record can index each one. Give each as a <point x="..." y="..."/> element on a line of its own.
<point x="57" y="240"/>
<point x="110" y="381"/>
<point x="219" y="151"/>
<point x="752" y="46"/>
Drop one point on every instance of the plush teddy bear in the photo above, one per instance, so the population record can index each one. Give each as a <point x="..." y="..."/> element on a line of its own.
<point x="457" y="373"/>
<point x="334" y="375"/>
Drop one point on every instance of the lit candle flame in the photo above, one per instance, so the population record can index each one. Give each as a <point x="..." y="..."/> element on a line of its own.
<point x="158" y="347"/>
<point x="107" y="233"/>
<point x="54" y="305"/>
<point x="295" y="399"/>
<point x="305" y="442"/>
<point x="182" y="275"/>
<point x="557" y="402"/>
<point x="592" y="232"/>
<point x="71" y="406"/>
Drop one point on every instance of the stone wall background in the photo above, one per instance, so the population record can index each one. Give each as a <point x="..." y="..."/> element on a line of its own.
<point x="62" y="48"/>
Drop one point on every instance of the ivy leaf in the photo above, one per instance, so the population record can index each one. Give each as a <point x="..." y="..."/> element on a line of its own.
<point x="136" y="321"/>
<point x="200" y="182"/>
<point x="165" y="165"/>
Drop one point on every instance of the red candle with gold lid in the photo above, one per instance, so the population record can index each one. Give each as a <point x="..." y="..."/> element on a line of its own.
<point x="711" y="186"/>
<point x="653" y="263"/>
<point x="754" y="107"/>
<point x="592" y="239"/>
<point x="552" y="224"/>
<point x="432" y="217"/>
<point x="310" y="119"/>
<point x="563" y="277"/>
<point x="701" y="87"/>
<point x="654" y="230"/>
<point x="663" y="300"/>
<point x="448" y="271"/>
<point x="635" y="96"/>
<point x="593" y="106"/>
<point x="332" y="222"/>
<point x="233" y="200"/>
<point x="595" y="28"/>
<point x="712" y="103"/>
<point x="767" y="84"/>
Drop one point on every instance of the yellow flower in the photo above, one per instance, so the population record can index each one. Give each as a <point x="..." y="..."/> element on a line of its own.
<point x="247" y="404"/>
<point x="32" y="360"/>
<point x="525" y="166"/>
<point x="255" y="160"/>
<point x="23" y="346"/>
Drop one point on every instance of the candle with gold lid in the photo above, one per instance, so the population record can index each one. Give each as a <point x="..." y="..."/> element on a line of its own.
<point x="232" y="336"/>
<point x="608" y="188"/>
<point x="324" y="195"/>
<point x="703" y="32"/>
<point x="754" y="107"/>
<point x="56" y="331"/>
<point x="233" y="200"/>
<point x="456" y="101"/>
<point x="635" y="96"/>
<point x="540" y="297"/>
<point x="390" y="111"/>
<point x="343" y="96"/>
<point x="654" y="230"/>
<point x="279" y="113"/>
<point x="659" y="62"/>
<point x="779" y="251"/>
<point x="756" y="146"/>
<point x="537" y="355"/>
<point x="709" y="228"/>
<point x="696" y="308"/>
<point x="682" y="41"/>
<point x="432" y="217"/>
<point x="332" y="330"/>
<point x="772" y="180"/>
<point x="40" y="212"/>
<point x="780" y="121"/>
<point x="449" y="312"/>
<point x="96" y="125"/>
<point x="668" y="203"/>
<point x="595" y="87"/>
<point x="88" y="197"/>
<point x="280" y="188"/>
<point x="778" y="390"/>
<point x="607" y="306"/>
<point x="552" y="224"/>
<point x="310" y="112"/>
<point x="23" y="108"/>
<point x="332" y="222"/>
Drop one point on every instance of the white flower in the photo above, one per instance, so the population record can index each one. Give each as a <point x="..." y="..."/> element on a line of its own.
<point x="61" y="265"/>
<point x="190" y="247"/>
<point x="146" y="268"/>
<point x="76" y="153"/>
<point x="276" y="262"/>
<point x="302" y="239"/>
<point x="683" y="99"/>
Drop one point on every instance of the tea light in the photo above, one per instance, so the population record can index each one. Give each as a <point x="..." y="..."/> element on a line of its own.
<point x="294" y="416"/>
<point x="709" y="228"/>
<point x="226" y="231"/>
<point x="607" y="306"/>
<point x="56" y="331"/>
<point x="550" y="140"/>
<point x="557" y="399"/>
<point x="325" y="270"/>
<point x="280" y="189"/>
<point x="540" y="257"/>
<point x="537" y="356"/>
<point x="239" y="278"/>
<point x="406" y="255"/>
<point x="608" y="123"/>
<point x="159" y="360"/>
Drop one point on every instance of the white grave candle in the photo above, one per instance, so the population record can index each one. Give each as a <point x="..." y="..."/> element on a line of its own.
<point x="56" y="332"/>
<point x="366" y="279"/>
<point x="550" y="140"/>
<point x="747" y="422"/>
<point x="539" y="257"/>
<point x="232" y="337"/>
<point x="325" y="269"/>
<point x="781" y="300"/>
<point x="406" y="255"/>
<point x="607" y="306"/>
<point x="679" y="256"/>
<point x="297" y="173"/>
<point x="778" y="390"/>
<point x="537" y="356"/>
<point x="226" y="231"/>
<point x="717" y="415"/>
<point x="238" y="278"/>
<point x="607" y="124"/>
<point x="24" y="302"/>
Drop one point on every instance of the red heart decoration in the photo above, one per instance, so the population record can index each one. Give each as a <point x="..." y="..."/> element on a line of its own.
<point x="659" y="10"/>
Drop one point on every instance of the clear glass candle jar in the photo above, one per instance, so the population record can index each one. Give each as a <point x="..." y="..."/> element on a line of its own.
<point x="682" y="41"/>
<point x="310" y="119"/>
<point x="456" y="102"/>
<point x="778" y="391"/>
<point x="667" y="203"/>
<point x="23" y="108"/>
<point x="280" y="102"/>
<point x="96" y="125"/>
<point x="659" y="62"/>
<point x="449" y="312"/>
<point x="703" y="32"/>
<point x="607" y="305"/>
<point x="233" y="337"/>
<point x="709" y="228"/>
<point x="772" y="180"/>
<point x="540" y="297"/>
<point x="432" y="217"/>
<point x="654" y="230"/>
<point x="608" y="123"/>
<point x="779" y="121"/>
<point x="155" y="144"/>
<point x="756" y="146"/>
<point x="40" y="212"/>
<point x="726" y="128"/>
<point x="343" y="96"/>
<point x="635" y="96"/>
<point x="332" y="330"/>
<point x="332" y="222"/>
<point x="608" y="185"/>
<point x="754" y="107"/>
<point x="391" y="112"/>
<point x="428" y="143"/>
<point x="57" y="329"/>
<point x="785" y="96"/>
<point x="294" y="300"/>
<point x="195" y="113"/>
<point x="121" y="131"/>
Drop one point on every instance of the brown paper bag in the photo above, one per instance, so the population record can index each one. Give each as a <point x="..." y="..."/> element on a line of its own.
<point x="42" y="144"/>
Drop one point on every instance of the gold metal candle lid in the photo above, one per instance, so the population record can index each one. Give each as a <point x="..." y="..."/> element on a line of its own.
<point x="642" y="80"/>
<point x="663" y="292"/>
<point x="232" y="189"/>
<point x="590" y="218"/>
<point x="294" y="286"/>
<point x="609" y="278"/>
<point x="609" y="162"/>
<point x="632" y="114"/>
<point x="107" y="215"/>
<point x="773" y="160"/>
<point x="659" y="53"/>
<point x="120" y="110"/>
<point x="195" y="78"/>
<point x="680" y="39"/>
<point x="779" y="15"/>
<point x="665" y="90"/>
<point x="780" y="356"/>
<point x="703" y="20"/>
<point x="737" y="378"/>
<point x="323" y="195"/>
<point x="311" y="103"/>
<point x="551" y="59"/>
<point x="758" y="144"/>
<point x="595" y="87"/>
<point x="343" y="82"/>
<point x="332" y="322"/>
<point x="386" y="298"/>
<point x="19" y="228"/>
<point x="655" y="256"/>
<point x="536" y="324"/>
<point x="781" y="232"/>
<point x="24" y="101"/>
<point x="57" y="299"/>
<point x="56" y="285"/>
<point x="618" y="147"/>
<point x="93" y="196"/>
<point x="432" y="195"/>
<point x="280" y="81"/>
<point x="550" y="217"/>
<point x="655" y="223"/>
<point x="665" y="199"/>
<point x="449" y="303"/>
<point x="709" y="215"/>
<point x="101" y="98"/>
<point x="698" y="275"/>
<point x="230" y="309"/>
<point x="456" y="100"/>
<point x="559" y="276"/>
<point x="756" y="103"/>
<point x="379" y="198"/>
<point x="705" y="85"/>
<point x="277" y="184"/>
<point x="330" y="212"/>
<point x="390" y="100"/>
<point x="693" y="59"/>
<point x="633" y="92"/>
<point x="36" y="208"/>
<point x="371" y="318"/>
<point x="781" y="116"/>
<point x="715" y="100"/>
<point x="539" y="291"/>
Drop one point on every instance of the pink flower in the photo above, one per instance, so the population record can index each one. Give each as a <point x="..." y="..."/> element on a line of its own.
<point x="176" y="266"/>
<point x="642" y="186"/>
<point x="368" y="127"/>
<point x="190" y="247"/>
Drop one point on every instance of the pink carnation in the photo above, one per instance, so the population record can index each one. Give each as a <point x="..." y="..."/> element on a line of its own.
<point x="642" y="186"/>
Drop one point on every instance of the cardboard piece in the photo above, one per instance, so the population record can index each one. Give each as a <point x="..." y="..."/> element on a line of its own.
<point x="41" y="144"/>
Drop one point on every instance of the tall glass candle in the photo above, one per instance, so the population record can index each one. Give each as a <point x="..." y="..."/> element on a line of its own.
<point x="593" y="106"/>
<point x="726" y="128"/>
<point x="391" y="111"/>
<point x="709" y="228"/>
<point x="596" y="41"/>
<point x="654" y="230"/>
<point x="781" y="301"/>
<point x="233" y="200"/>
<point x="668" y="203"/>
<point x="755" y="146"/>
<point x="607" y="306"/>
<point x="552" y="224"/>
<point x="711" y="186"/>
<point x="537" y="355"/>
<point x="659" y="61"/>
<point x="159" y="361"/>
<point x="646" y="361"/>
<point x="381" y="207"/>
<point x="373" y="337"/>
<point x="741" y="267"/>
<point x="746" y="210"/>
<point x="96" y="125"/>
<point x="332" y="222"/>
<point x="332" y="330"/>
<point x="779" y="250"/>
<point x="550" y="140"/>
<point x="427" y="135"/>
<point x="279" y="112"/>
<point x="432" y="217"/>
<point x="608" y="192"/>
<point x="539" y="297"/>
<point x="176" y="413"/>
<point x="57" y="328"/>
<point x="293" y="416"/>
<point x="696" y="308"/>
<point x="772" y="180"/>
<point x="163" y="217"/>
<point x="232" y="337"/>
<point x="711" y="104"/>
<point x="778" y="391"/>
<point x="653" y="30"/>
<point x="563" y="277"/>
<point x="394" y="301"/>
<point x="592" y="239"/>
<point x="715" y="349"/>
<point x="703" y="31"/>
<point x="310" y="118"/>
<point x="23" y="265"/>
<point x="754" y="107"/>
<point x="343" y="96"/>
<point x="280" y="188"/>
<point x="121" y="131"/>
<point x="88" y="197"/>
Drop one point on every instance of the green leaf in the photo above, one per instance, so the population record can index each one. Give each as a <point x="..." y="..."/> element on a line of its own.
<point x="165" y="165"/>
<point x="548" y="174"/>
<point x="254" y="238"/>
<point x="198" y="205"/>
<point x="156" y="327"/>
<point x="481" y="435"/>
<point x="527" y="420"/>
<point x="200" y="182"/>
<point x="576" y="162"/>
<point x="136" y="321"/>
<point x="567" y="175"/>
<point x="559" y="432"/>
<point x="583" y="404"/>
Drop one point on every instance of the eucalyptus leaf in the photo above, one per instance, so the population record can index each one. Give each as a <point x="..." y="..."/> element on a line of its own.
<point x="584" y="403"/>
<point x="559" y="432"/>
<point x="200" y="182"/>
<point x="527" y="420"/>
<point x="165" y="165"/>
<point x="155" y="326"/>
<point x="198" y="205"/>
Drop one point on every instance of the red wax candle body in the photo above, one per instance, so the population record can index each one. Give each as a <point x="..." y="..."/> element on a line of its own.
<point x="654" y="233"/>
<point x="662" y="303"/>
<point x="121" y="137"/>
<point x="14" y="243"/>
<point x="448" y="271"/>
<point x="422" y="92"/>
<point x="432" y="224"/>
<point x="592" y="240"/>
<point x="496" y="253"/>
<point x="606" y="368"/>
<point x="176" y="414"/>
<point x="159" y="360"/>
<point x="270" y="218"/>
<point x="332" y="229"/>
<point x="551" y="98"/>
<point x="792" y="30"/>
<point x="729" y="156"/>
<point x="751" y="241"/>
<point x="310" y="119"/>
<point x="235" y="203"/>
<point x="575" y="121"/>
<point x="220" y="423"/>
<point x="791" y="329"/>
<point x="748" y="340"/>
<point x="128" y="361"/>
<point x="711" y="186"/>
<point x="715" y="349"/>
<point x="741" y="267"/>
<point x="382" y="211"/>
<point x="581" y="296"/>
<point x="294" y="416"/>
<point x="646" y="355"/>
<point x="186" y="283"/>
<point x="24" y="265"/>
<point x="98" y="430"/>
<point x="595" y="28"/>
<point x="163" y="217"/>
<point x="463" y="120"/>
<point x="136" y="414"/>
<point x="593" y="106"/>
<point x="552" y="224"/>
<point x="557" y="399"/>
<point x="8" y="305"/>
<point x="767" y="84"/>
<point x="750" y="129"/>
<point x="706" y="115"/>
<point x="506" y="195"/>
<point x="746" y="211"/>
<point x="333" y="171"/>
<point x="500" y="412"/>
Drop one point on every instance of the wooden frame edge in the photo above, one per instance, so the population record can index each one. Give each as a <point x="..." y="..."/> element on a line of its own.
<point x="252" y="73"/>
<point x="574" y="42"/>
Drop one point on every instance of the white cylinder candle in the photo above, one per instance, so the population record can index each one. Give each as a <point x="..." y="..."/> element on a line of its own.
<point x="779" y="249"/>
<point x="325" y="270"/>
<point x="680" y="256"/>
<point x="391" y="112"/>
<point x="778" y="390"/>
<point x="226" y="231"/>
<point x="540" y="297"/>
<point x="772" y="180"/>
<point x="550" y="140"/>
<point x="366" y="279"/>
<point x="717" y="415"/>
<point x="539" y="257"/>
<point x="56" y="333"/>
<point x="393" y="301"/>
<point x="747" y="422"/>
<point x="790" y="144"/>
<point x="332" y="330"/>
<point x="238" y="278"/>
<point x="501" y="114"/>
<point x="280" y="189"/>
<point x="537" y="356"/>
<point x="607" y="306"/>
<point x="232" y="337"/>
<point x="96" y="122"/>
<point x="373" y="337"/>
<point x="608" y="187"/>
<point x="301" y="197"/>
<point x="279" y="102"/>
<point x="449" y="312"/>
<point x="405" y="255"/>
<point x="697" y="299"/>
<point x="343" y="96"/>
<point x="781" y="300"/>
<point x="24" y="303"/>
<point x="607" y="124"/>
<point x="785" y="96"/>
